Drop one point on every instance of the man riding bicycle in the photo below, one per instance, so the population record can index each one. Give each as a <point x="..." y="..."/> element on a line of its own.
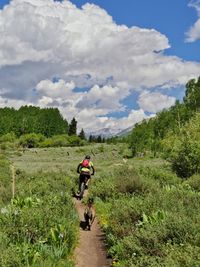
<point x="85" y="169"/>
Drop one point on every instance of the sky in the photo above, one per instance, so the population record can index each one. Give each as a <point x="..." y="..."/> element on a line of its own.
<point x="108" y="63"/>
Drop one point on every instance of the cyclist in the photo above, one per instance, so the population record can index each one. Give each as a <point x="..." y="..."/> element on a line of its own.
<point x="85" y="169"/>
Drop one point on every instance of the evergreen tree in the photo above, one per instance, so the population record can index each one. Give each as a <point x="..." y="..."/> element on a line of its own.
<point x="82" y="135"/>
<point x="90" y="138"/>
<point x="73" y="127"/>
<point x="99" y="139"/>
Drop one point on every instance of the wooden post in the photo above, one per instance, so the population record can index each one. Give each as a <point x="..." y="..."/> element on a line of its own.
<point x="13" y="180"/>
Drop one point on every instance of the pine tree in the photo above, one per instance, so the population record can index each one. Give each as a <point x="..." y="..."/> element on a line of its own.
<point x="99" y="139"/>
<point x="72" y="127"/>
<point x="91" y="138"/>
<point x="82" y="134"/>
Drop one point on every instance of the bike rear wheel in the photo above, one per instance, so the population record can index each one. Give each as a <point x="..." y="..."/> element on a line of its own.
<point x="82" y="190"/>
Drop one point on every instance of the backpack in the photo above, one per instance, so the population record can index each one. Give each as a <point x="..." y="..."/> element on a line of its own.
<point x="85" y="163"/>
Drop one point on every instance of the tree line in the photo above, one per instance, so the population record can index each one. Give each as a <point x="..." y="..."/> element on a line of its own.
<point x="47" y="122"/>
<point x="148" y="134"/>
<point x="174" y="133"/>
<point x="31" y="119"/>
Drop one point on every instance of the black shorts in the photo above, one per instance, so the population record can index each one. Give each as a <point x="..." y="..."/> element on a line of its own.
<point x="84" y="175"/>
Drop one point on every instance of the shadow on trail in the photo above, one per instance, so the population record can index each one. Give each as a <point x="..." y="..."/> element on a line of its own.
<point x="83" y="225"/>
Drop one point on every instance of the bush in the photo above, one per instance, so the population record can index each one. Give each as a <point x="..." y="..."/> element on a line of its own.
<point x="149" y="217"/>
<point x="63" y="140"/>
<point x="9" y="137"/>
<point x="194" y="182"/>
<point x="186" y="161"/>
<point x="31" y="140"/>
<point x="5" y="180"/>
<point x="160" y="175"/>
<point x="128" y="182"/>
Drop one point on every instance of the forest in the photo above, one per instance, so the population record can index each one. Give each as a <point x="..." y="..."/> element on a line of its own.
<point x="173" y="133"/>
<point x="29" y="119"/>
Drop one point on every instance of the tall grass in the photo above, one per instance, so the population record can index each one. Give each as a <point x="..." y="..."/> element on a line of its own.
<point x="5" y="180"/>
<point x="39" y="227"/>
<point x="150" y="216"/>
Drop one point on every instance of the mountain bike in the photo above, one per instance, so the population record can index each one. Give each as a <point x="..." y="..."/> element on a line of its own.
<point x="83" y="185"/>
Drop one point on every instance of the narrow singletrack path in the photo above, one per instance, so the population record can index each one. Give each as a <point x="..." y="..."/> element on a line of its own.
<point x="91" y="250"/>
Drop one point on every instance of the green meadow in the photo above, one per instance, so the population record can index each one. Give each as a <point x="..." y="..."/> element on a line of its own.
<point x="150" y="216"/>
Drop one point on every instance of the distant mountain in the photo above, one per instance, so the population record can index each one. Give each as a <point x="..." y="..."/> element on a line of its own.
<point x="109" y="132"/>
<point x="104" y="132"/>
<point x="125" y="131"/>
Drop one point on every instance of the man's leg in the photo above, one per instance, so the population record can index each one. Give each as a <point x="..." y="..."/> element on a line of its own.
<point x="80" y="182"/>
<point x="88" y="180"/>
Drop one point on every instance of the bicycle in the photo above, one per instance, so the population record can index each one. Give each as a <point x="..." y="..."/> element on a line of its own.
<point x="83" y="185"/>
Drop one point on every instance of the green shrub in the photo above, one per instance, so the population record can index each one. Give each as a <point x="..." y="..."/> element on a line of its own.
<point x="183" y="255"/>
<point x="150" y="216"/>
<point x="9" y="137"/>
<point x="48" y="142"/>
<point x="187" y="160"/>
<point x="5" y="180"/>
<point x="194" y="182"/>
<point x="128" y="182"/>
<point x="63" y="140"/>
<point x="31" y="140"/>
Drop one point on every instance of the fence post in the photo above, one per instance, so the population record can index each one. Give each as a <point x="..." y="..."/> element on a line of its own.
<point x="13" y="180"/>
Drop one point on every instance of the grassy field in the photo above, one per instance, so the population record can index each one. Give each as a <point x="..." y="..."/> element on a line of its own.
<point x="39" y="227"/>
<point x="149" y="215"/>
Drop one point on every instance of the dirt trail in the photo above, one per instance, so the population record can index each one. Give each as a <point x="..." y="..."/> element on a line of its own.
<point x="91" y="249"/>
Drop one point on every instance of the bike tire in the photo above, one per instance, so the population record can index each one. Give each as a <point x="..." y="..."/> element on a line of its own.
<point x="82" y="190"/>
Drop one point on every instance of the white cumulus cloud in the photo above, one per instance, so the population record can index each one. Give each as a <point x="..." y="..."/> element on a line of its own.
<point x="193" y="33"/>
<point x="49" y="48"/>
<point x="155" y="101"/>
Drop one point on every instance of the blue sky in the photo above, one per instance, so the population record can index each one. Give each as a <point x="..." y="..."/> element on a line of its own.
<point x="171" y="17"/>
<point x="115" y="61"/>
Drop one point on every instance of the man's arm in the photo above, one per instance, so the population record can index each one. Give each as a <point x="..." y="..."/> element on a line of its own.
<point x="92" y="168"/>
<point x="78" y="168"/>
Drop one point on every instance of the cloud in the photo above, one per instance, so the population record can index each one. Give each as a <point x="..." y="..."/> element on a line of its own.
<point x="155" y="102"/>
<point x="89" y="107"/>
<point x="60" y="89"/>
<point x="82" y="48"/>
<point x="97" y="101"/>
<point x="193" y="33"/>
<point x="106" y="97"/>
<point x="94" y="122"/>
<point x="5" y="102"/>
<point x="196" y="5"/>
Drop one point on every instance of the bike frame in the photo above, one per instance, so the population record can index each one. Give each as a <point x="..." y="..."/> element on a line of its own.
<point x="83" y="185"/>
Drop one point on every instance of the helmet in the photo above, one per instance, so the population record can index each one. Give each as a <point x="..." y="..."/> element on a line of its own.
<point x="87" y="157"/>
